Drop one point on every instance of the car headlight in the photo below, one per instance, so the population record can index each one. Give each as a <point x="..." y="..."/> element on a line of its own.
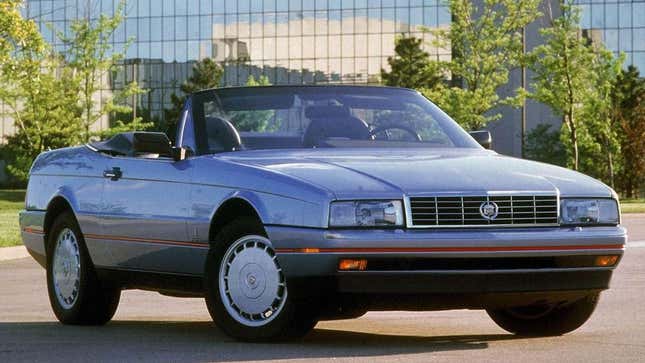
<point x="588" y="211"/>
<point x="366" y="213"/>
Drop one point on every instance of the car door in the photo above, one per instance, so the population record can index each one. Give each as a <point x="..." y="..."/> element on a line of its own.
<point x="144" y="213"/>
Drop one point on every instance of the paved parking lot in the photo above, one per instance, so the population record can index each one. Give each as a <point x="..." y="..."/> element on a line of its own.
<point x="151" y="327"/>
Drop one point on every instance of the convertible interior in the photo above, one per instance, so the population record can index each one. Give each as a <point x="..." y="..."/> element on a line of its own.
<point x="233" y="119"/>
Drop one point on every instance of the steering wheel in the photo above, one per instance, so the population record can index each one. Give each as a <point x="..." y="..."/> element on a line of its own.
<point x="386" y="129"/>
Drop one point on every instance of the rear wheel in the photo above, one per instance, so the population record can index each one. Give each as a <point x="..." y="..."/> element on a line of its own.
<point x="545" y="320"/>
<point x="246" y="290"/>
<point x="75" y="293"/>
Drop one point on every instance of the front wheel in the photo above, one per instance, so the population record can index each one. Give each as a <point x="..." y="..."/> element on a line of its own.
<point x="246" y="290"/>
<point x="545" y="320"/>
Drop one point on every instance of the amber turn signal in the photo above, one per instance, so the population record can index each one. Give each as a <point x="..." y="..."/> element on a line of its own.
<point x="352" y="265"/>
<point x="310" y="250"/>
<point x="606" y="261"/>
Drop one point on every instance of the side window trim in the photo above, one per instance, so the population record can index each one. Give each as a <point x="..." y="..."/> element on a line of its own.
<point x="186" y="127"/>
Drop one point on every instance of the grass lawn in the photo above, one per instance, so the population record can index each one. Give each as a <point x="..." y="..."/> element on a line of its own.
<point x="632" y="205"/>
<point x="11" y="201"/>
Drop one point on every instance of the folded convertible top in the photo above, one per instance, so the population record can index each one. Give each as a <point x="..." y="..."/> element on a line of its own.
<point x="119" y="144"/>
<point x="133" y="143"/>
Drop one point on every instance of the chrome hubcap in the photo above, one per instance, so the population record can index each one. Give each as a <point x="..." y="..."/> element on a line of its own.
<point x="251" y="283"/>
<point x="66" y="268"/>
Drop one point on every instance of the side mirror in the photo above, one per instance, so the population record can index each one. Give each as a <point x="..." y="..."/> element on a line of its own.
<point x="483" y="138"/>
<point x="181" y="153"/>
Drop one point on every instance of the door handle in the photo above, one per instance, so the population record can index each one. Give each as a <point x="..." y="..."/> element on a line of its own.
<point x="114" y="174"/>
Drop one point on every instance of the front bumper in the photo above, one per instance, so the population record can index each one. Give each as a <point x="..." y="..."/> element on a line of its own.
<point x="309" y="258"/>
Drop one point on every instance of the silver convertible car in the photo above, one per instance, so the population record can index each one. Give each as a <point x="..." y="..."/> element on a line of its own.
<point x="283" y="206"/>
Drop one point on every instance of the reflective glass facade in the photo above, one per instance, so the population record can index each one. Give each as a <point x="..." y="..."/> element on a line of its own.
<point x="301" y="41"/>
<point x="289" y="41"/>
<point x="620" y="24"/>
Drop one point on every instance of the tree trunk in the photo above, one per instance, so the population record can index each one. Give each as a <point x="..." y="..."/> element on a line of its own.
<point x="610" y="164"/>
<point x="574" y="139"/>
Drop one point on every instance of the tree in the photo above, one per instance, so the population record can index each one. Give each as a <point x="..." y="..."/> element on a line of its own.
<point x="597" y="111"/>
<point x="206" y="74"/>
<point x="486" y="43"/>
<point x="544" y="145"/>
<point x="628" y="111"/>
<point x="21" y="52"/>
<point x="49" y="120"/>
<point x="91" y="57"/>
<point x="411" y="67"/>
<point x="37" y="90"/>
<point x="563" y="73"/>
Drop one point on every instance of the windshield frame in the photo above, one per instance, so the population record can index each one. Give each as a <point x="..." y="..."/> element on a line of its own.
<point x="459" y="137"/>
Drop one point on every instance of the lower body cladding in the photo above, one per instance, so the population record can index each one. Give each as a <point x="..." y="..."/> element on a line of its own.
<point x="447" y="269"/>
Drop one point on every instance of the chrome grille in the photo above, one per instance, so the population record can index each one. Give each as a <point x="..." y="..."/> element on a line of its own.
<point x="513" y="210"/>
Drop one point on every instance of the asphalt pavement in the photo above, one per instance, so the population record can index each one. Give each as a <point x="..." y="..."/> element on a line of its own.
<point x="151" y="327"/>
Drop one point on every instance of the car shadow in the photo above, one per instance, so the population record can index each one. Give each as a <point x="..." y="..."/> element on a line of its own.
<point x="202" y="341"/>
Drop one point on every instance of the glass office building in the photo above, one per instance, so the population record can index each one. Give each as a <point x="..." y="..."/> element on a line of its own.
<point x="300" y="42"/>
<point x="620" y="25"/>
<point x="289" y="41"/>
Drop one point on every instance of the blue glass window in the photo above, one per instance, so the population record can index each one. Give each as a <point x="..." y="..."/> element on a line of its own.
<point x="192" y="7"/>
<point x="168" y="7"/>
<point x="430" y="16"/>
<point x="205" y="27"/>
<point x="144" y="30"/>
<point x="611" y="39"/>
<point x="626" y="40"/>
<point x="269" y="5"/>
<point x="205" y="7"/>
<point x="639" y="39"/>
<point x="231" y="6"/>
<point x="444" y="15"/>
<point x="155" y="29"/>
<point x="180" y="27"/>
<point x="597" y="16"/>
<point x="256" y="6"/>
<point x="639" y="14"/>
<point x="611" y="15"/>
<point x="181" y="7"/>
<point x="143" y="8"/>
<point x="625" y="15"/>
<point x="585" y="16"/>
<point x="168" y="29"/>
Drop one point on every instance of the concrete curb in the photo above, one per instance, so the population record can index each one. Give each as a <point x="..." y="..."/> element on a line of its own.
<point x="13" y="253"/>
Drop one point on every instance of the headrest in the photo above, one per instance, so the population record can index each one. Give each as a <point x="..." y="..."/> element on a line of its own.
<point x="312" y="112"/>
<point x="223" y="133"/>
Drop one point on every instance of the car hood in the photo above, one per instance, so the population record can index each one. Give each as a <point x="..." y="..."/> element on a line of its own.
<point x="356" y="173"/>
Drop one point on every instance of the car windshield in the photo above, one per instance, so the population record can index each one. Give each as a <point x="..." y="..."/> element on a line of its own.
<point x="323" y="117"/>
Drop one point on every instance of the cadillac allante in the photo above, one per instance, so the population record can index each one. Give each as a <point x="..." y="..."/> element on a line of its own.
<point x="284" y="206"/>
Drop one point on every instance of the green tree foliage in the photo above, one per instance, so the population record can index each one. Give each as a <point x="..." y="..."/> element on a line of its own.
<point x="22" y="50"/>
<point x="543" y="144"/>
<point x="48" y="121"/>
<point x="486" y="44"/>
<point x="206" y="74"/>
<point x="91" y="56"/>
<point x="411" y="67"/>
<point x="574" y="78"/>
<point x="36" y="90"/>
<point x="628" y="112"/>
<point x="597" y="114"/>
